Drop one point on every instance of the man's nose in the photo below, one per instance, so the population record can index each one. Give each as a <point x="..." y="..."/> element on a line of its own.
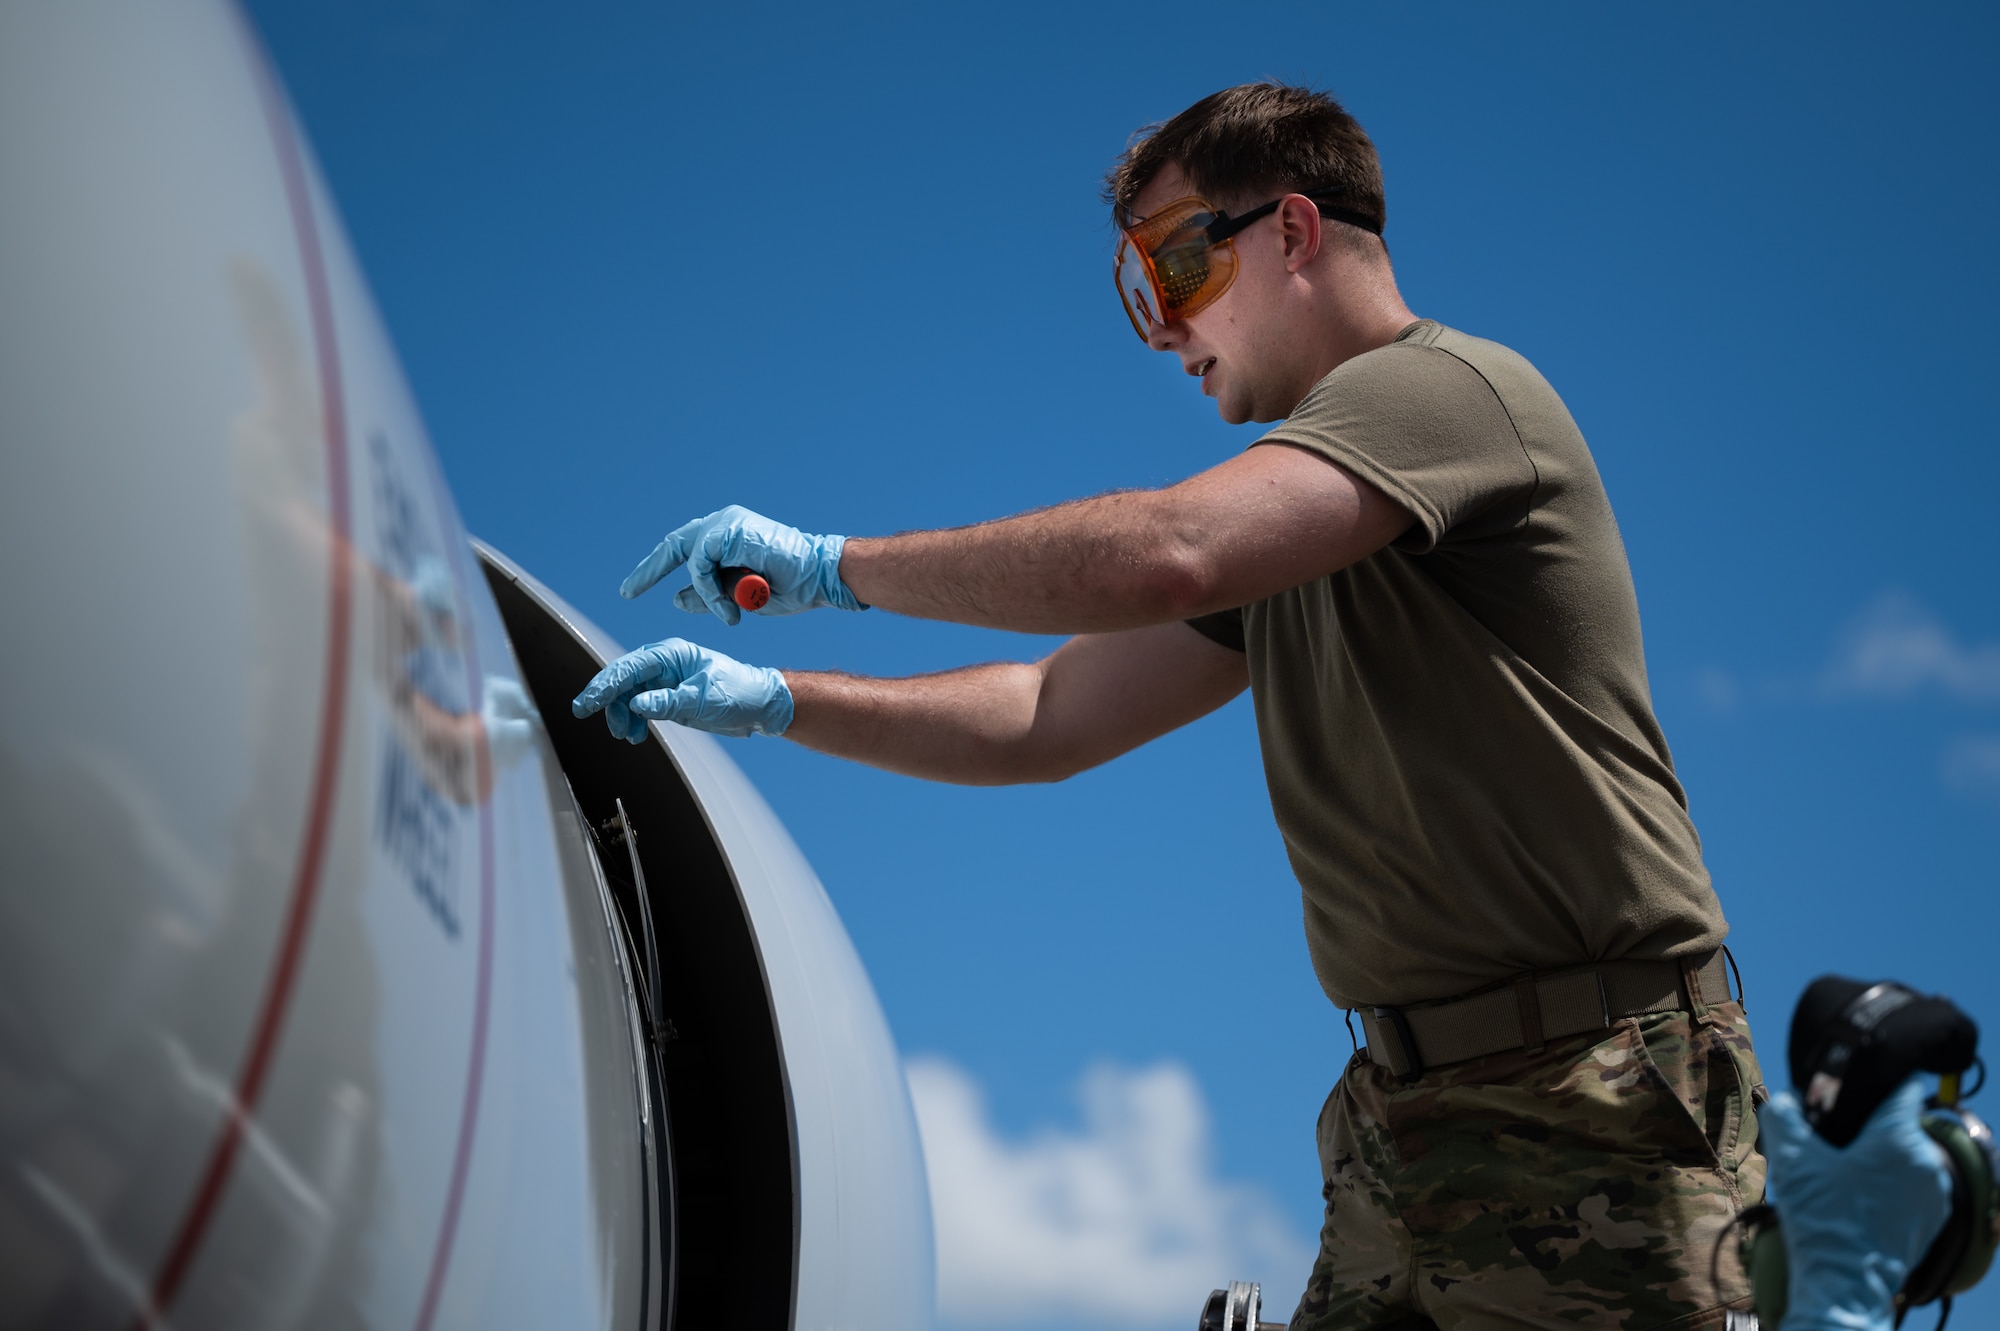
<point x="1163" y="336"/>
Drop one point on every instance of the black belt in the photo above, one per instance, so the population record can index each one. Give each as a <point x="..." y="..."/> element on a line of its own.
<point x="1530" y="1010"/>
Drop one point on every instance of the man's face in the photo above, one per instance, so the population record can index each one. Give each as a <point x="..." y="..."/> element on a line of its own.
<point x="1236" y="345"/>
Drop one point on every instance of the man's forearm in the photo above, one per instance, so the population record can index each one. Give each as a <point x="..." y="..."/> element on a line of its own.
<point x="1095" y="697"/>
<point x="974" y="726"/>
<point x="1270" y="519"/>
<point x="1097" y="565"/>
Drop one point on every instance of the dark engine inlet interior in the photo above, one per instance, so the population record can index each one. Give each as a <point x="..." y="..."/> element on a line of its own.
<point x="731" y="1251"/>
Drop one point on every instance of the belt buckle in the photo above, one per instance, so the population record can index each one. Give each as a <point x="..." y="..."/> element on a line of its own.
<point x="1401" y="1025"/>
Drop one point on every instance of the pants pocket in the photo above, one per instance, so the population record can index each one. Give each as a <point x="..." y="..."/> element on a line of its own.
<point x="1715" y="1075"/>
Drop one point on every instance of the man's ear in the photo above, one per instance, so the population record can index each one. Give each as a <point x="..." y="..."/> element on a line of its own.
<point x="1299" y="228"/>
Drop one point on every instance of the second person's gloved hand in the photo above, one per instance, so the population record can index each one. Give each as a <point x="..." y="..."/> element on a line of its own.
<point x="677" y="680"/>
<point x="1856" y="1219"/>
<point x="803" y="570"/>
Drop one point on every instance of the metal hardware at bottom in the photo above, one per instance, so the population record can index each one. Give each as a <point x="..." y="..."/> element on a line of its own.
<point x="1235" y="1309"/>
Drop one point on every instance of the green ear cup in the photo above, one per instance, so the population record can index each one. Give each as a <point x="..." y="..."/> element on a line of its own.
<point x="1975" y="1208"/>
<point x="1957" y="1260"/>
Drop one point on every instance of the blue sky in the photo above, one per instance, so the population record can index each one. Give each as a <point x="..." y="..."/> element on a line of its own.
<point x="848" y="267"/>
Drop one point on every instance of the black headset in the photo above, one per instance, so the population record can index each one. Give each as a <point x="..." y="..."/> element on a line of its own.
<point x="1852" y="1044"/>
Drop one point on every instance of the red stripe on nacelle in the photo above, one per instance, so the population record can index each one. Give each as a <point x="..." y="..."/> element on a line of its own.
<point x="311" y="866"/>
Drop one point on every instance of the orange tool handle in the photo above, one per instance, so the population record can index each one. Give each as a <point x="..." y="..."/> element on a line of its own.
<point x="744" y="587"/>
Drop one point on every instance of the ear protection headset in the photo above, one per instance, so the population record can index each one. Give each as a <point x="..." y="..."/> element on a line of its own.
<point x="1851" y="1045"/>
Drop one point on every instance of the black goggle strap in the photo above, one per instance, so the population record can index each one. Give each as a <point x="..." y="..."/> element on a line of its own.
<point x="1224" y="226"/>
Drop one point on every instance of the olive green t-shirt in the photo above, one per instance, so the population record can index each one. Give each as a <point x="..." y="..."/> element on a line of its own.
<point x="1457" y="731"/>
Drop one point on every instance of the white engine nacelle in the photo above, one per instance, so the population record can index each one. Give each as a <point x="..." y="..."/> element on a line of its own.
<point x="325" y="986"/>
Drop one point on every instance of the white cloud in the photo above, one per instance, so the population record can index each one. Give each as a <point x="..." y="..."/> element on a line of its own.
<point x="1896" y="648"/>
<point x="1122" y="1223"/>
<point x="1717" y="689"/>
<point x="1972" y="765"/>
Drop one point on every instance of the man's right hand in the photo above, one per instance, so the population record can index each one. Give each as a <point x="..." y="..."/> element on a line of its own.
<point x="803" y="570"/>
<point x="677" y="680"/>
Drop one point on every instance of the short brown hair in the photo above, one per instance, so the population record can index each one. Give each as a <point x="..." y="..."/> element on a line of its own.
<point x="1257" y="139"/>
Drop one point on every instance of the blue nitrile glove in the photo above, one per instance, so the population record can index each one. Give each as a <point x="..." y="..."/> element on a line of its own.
<point x="676" y="680"/>
<point x="803" y="570"/>
<point x="1856" y="1220"/>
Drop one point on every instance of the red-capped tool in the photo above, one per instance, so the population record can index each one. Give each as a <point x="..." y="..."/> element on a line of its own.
<point x="744" y="587"/>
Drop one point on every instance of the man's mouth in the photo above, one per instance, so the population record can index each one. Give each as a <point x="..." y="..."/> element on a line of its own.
<point x="1201" y="368"/>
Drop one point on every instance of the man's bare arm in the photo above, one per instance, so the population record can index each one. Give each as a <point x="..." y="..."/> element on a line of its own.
<point x="1267" y="520"/>
<point x="1094" y="698"/>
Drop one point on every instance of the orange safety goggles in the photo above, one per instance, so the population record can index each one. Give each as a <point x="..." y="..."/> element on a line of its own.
<point x="1180" y="259"/>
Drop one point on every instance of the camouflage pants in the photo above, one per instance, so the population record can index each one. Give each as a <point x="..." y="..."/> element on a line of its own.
<point x="1584" y="1186"/>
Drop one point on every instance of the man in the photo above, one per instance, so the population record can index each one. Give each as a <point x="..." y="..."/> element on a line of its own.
<point x="1418" y="577"/>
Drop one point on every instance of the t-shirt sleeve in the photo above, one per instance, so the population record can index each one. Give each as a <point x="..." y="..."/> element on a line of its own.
<point x="1423" y="427"/>
<point x="1224" y="628"/>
